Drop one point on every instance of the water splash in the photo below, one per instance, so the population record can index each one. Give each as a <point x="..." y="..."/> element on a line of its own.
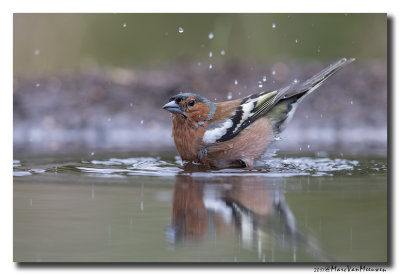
<point x="268" y="166"/>
<point x="180" y="30"/>
<point x="16" y="163"/>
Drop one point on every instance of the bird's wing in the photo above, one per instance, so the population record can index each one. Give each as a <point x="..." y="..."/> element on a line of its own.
<point x="249" y="110"/>
<point x="254" y="106"/>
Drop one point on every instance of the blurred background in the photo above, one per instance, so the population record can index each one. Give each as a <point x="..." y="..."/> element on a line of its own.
<point x="97" y="82"/>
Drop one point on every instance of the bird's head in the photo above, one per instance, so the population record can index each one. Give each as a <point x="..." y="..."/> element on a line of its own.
<point x="191" y="106"/>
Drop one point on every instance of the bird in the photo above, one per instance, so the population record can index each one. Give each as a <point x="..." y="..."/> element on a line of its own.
<point x="235" y="133"/>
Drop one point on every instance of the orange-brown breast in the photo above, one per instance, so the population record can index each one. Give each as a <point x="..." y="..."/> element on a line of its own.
<point x="187" y="136"/>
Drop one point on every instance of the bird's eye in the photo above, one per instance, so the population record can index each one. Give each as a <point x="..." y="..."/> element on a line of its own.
<point x="191" y="103"/>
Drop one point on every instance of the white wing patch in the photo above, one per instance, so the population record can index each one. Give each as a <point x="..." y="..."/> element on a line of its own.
<point x="212" y="135"/>
<point x="247" y="112"/>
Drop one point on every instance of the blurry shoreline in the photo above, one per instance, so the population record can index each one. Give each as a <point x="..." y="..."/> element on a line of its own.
<point x="106" y="109"/>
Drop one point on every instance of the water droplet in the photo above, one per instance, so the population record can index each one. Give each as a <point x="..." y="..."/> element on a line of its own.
<point x="300" y="148"/>
<point x="222" y="52"/>
<point x="210" y="54"/>
<point x="273" y="25"/>
<point x="210" y="66"/>
<point x="277" y="138"/>
<point x="180" y="30"/>
<point x="273" y="72"/>
<point x="259" y="84"/>
<point x="215" y="98"/>
<point x="37" y="52"/>
<point x="210" y="35"/>
<point x="351" y="102"/>
<point x="37" y="85"/>
<point x="308" y="146"/>
<point x="321" y="115"/>
<point x="92" y="153"/>
<point x="141" y="206"/>
<point x="124" y="25"/>
<point x="131" y="104"/>
<point x="296" y="41"/>
<point x="141" y="122"/>
<point x="264" y="78"/>
<point x="295" y="81"/>
<point x="238" y="93"/>
<point x="229" y="96"/>
<point x="199" y="64"/>
<point x="235" y="82"/>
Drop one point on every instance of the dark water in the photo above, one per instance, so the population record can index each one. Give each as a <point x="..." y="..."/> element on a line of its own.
<point x="147" y="208"/>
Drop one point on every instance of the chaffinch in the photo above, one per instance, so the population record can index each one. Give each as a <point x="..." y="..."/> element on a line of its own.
<point x="234" y="133"/>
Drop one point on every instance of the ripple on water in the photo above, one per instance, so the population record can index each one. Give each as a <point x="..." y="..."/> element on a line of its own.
<point x="141" y="166"/>
<point x="155" y="166"/>
<point x="20" y="171"/>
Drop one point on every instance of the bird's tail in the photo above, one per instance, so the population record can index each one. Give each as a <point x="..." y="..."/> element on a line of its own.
<point x="288" y="98"/>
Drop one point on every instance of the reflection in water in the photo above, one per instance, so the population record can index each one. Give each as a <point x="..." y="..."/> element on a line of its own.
<point x="252" y="209"/>
<point x="116" y="209"/>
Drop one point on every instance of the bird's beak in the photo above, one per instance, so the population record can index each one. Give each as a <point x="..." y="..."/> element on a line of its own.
<point x="173" y="107"/>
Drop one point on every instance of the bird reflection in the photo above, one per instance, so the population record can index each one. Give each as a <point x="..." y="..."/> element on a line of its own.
<point x="249" y="207"/>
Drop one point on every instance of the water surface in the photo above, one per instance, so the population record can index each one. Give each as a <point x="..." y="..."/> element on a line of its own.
<point x="139" y="208"/>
